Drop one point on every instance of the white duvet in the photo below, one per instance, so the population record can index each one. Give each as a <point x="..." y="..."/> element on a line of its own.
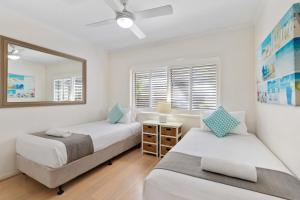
<point x="53" y="153"/>
<point x="167" y="185"/>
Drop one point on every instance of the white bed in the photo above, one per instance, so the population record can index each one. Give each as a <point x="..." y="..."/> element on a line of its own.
<point x="167" y="185"/>
<point x="52" y="153"/>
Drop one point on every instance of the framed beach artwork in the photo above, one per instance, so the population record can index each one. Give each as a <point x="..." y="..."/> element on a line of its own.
<point x="20" y="86"/>
<point x="278" y="74"/>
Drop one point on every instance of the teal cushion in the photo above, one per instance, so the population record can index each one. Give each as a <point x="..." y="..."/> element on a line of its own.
<point x="221" y="122"/>
<point x="115" y="114"/>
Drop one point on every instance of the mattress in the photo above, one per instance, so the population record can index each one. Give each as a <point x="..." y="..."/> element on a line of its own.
<point x="52" y="153"/>
<point x="168" y="185"/>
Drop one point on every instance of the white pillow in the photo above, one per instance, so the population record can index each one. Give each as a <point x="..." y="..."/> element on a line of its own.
<point x="128" y="116"/>
<point x="228" y="168"/>
<point x="241" y="129"/>
<point x="58" y="132"/>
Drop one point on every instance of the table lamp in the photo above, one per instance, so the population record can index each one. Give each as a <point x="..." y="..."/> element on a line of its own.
<point x="163" y="108"/>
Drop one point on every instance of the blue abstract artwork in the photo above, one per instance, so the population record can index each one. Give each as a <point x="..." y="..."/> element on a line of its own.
<point x="278" y="74"/>
<point x="20" y="86"/>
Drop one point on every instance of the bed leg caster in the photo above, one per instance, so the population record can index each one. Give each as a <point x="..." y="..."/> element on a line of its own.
<point x="109" y="162"/>
<point x="60" y="190"/>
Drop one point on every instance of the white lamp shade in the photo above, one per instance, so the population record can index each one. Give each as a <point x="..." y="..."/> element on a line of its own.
<point x="163" y="107"/>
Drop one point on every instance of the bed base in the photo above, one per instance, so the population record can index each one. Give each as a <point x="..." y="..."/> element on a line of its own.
<point x="56" y="177"/>
<point x="60" y="189"/>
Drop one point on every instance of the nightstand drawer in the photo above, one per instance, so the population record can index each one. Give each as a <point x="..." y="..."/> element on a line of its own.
<point x="168" y="141"/>
<point x="149" y="129"/>
<point x="149" y="138"/>
<point x="149" y="147"/>
<point x="168" y="131"/>
<point x="164" y="150"/>
<point x="158" y="138"/>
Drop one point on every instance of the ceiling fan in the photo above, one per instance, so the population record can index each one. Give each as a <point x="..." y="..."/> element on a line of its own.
<point x="126" y="19"/>
<point x="13" y="52"/>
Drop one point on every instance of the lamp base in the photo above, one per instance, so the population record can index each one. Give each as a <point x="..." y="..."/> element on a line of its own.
<point x="162" y="119"/>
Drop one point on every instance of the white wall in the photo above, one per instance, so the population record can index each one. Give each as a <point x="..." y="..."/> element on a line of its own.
<point x="233" y="47"/>
<point x="18" y="121"/>
<point x="277" y="126"/>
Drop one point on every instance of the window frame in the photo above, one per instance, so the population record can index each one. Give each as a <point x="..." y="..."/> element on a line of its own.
<point x="176" y="63"/>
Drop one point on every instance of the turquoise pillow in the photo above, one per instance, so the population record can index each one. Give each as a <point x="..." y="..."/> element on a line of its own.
<point x="221" y="122"/>
<point x="115" y="114"/>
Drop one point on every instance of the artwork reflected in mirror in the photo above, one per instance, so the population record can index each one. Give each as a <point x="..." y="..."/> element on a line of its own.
<point x="34" y="76"/>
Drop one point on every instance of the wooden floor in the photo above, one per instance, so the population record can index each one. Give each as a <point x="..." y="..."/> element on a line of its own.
<point x="121" y="180"/>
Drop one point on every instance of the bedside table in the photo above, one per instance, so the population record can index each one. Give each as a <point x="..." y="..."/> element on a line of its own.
<point x="150" y="137"/>
<point x="159" y="138"/>
<point x="170" y="135"/>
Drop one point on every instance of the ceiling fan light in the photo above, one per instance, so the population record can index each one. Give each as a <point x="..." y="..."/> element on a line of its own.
<point x="125" y="22"/>
<point x="13" y="57"/>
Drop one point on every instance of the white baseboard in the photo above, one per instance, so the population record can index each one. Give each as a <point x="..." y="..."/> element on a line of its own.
<point x="8" y="174"/>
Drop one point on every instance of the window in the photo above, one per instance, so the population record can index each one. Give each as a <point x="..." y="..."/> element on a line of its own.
<point x="149" y="88"/>
<point x="204" y="88"/>
<point x="67" y="89"/>
<point x="78" y="89"/>
<point x="159" y="87"/>
<point x="180" y="88"/>
<point x="189" y="88"/>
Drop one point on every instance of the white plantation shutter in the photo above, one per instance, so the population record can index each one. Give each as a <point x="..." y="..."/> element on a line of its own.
<point x="190" y="88"/>
<point x="58" y="91"/>
<point x="78" y="89"/>
<point x="141" y="85"/>
<point x="159" y="87"/>
<point x="62" y="89"/>
<point x="204" y="87"/>
<point x="67" y="89"/>
<point x="180" y="88"/>
<point x="150" y="88"/>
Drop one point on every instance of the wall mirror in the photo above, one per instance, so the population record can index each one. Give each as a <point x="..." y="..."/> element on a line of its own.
<point x="36" y="76"/>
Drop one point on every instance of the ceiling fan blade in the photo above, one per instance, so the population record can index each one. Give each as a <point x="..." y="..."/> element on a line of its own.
<point x="138" y="32"/>
<point x="101" y="23"/>
<point x="117" y="7"/>
<point x="155" y="12"/>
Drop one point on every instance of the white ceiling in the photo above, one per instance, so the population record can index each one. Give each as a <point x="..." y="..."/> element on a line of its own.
<point x="190" y="17"/>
